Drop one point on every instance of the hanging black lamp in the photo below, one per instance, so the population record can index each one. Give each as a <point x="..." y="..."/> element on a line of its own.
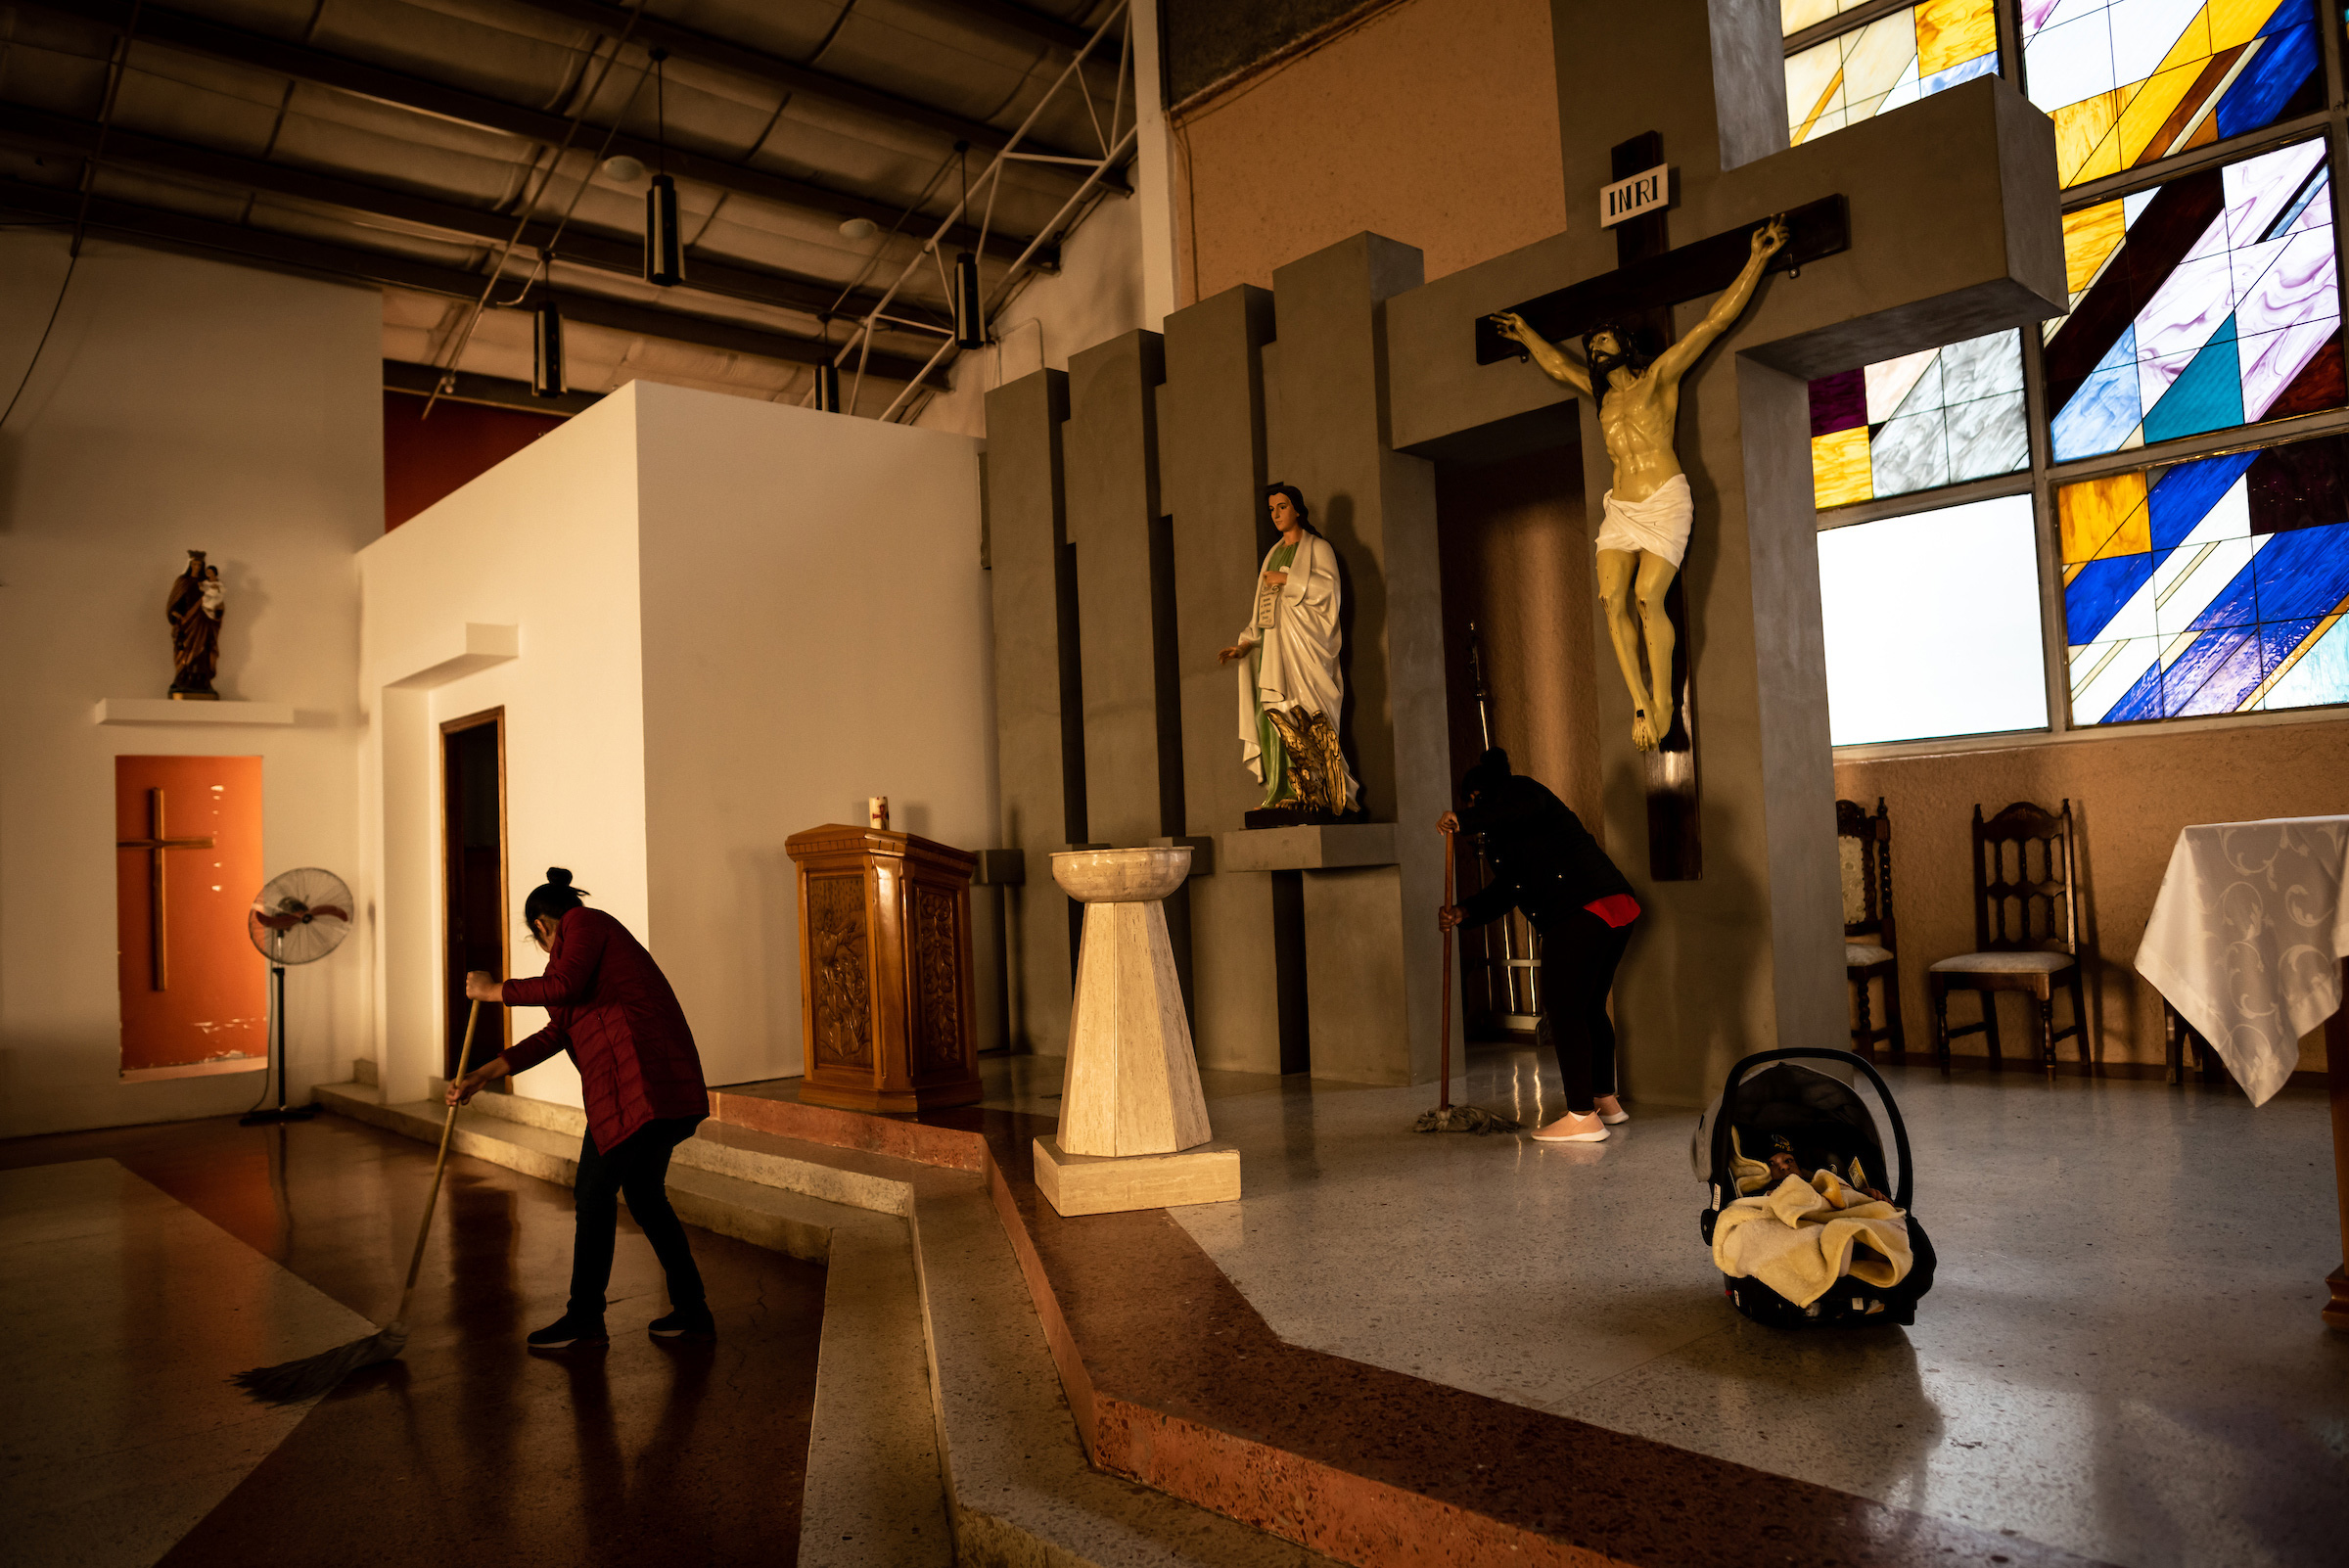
<point x="827" y="389"/>
<point x="546" y="350"/>
<point x="970" y="318"/>
<point x="664" y="247"/>
<point x="970" y="324"/>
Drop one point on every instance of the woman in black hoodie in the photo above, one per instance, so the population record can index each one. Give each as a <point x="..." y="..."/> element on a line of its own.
<point x="1545" y="862"/>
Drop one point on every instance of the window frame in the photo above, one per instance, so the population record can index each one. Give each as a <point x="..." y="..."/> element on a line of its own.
<point x="2043" y="476"/>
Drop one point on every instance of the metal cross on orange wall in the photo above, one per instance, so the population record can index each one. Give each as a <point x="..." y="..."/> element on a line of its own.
<point x="157" y="843"/>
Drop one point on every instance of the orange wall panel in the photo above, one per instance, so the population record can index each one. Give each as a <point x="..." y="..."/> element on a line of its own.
<point x="214" y="1004"/>
<point x="426" y="459"/>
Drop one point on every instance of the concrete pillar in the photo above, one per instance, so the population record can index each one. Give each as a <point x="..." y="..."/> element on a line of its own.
<point x="1040" y="719"/>
<point x="1326" y="433"/>
<point x="1246" y="955"/>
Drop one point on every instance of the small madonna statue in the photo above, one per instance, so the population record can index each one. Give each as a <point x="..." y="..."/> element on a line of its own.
<point x="195" y="610"/>
<point x="1291" y="689"/>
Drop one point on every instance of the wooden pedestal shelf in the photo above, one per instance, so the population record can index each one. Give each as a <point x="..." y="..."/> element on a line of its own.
<point x="885" y="970"/>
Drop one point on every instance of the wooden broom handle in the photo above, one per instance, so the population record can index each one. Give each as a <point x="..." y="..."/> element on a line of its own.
<point x="1444" y="1096"/>
<point x="432" y="1200"/>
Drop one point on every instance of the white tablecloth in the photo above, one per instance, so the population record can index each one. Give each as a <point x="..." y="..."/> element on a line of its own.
<point x="2247" y="936"/>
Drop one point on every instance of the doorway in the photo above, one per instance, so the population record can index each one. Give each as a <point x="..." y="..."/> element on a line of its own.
<point x="473" y="856"/>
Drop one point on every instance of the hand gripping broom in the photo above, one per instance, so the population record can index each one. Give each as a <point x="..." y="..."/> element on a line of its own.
<point x="1448" y="1116"/>
<point x="292" y="1382"/>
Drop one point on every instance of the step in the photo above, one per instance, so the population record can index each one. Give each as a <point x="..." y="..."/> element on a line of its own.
<point x="859" y="1179"/>
<point x="929" y="1336"/>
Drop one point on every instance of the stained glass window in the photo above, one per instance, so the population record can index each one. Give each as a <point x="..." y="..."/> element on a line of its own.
<point x="1932" y="624"/>
<point x="2130" y="81"/>
<point x="1895" y="60"/>
<point x="2212" y="587"/>
<point x="2209" y="301"/>
<point x="1921" y="421"/>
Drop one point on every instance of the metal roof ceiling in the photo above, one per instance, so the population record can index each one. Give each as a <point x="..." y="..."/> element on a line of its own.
<point x="402" y="141"/>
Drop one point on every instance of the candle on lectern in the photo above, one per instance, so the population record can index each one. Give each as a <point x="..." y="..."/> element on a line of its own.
<point x="876" y="812"/>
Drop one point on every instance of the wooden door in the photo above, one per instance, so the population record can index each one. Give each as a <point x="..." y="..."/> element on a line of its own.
<point x="194" y="990"/>
<point x="473" y="796"/>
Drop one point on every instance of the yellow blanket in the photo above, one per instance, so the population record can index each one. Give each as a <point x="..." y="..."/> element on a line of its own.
<point x="1801" y="1237"/>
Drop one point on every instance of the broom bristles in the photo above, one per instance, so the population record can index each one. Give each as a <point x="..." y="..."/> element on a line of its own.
<point x="293" y="1382"/>
<point x="1463" y="1118"/>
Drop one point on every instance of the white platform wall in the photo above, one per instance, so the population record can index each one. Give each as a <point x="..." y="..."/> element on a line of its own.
<point x="180" y="405"/>
<point x="732" y="619"/>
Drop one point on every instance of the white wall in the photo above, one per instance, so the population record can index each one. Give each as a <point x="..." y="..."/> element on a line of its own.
<point x="1097" y="296"/>
<point x="737" y="620"/>
<point x="815" y="632"/>
<point x="181" y="403"/>
<point x="544" y="542"/>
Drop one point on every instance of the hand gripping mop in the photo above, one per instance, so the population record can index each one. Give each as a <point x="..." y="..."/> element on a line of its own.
<point x="293" y="1382"/>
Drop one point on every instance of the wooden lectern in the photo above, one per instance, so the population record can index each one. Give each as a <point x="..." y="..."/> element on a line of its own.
<point x="885" y="970"/>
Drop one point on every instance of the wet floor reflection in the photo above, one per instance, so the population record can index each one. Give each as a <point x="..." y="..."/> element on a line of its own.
<point x="470" y="1448"/>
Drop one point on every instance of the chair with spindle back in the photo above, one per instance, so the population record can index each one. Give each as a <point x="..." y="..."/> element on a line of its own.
<point x="2026" y="929"/>
<point x="1863" y="851"/>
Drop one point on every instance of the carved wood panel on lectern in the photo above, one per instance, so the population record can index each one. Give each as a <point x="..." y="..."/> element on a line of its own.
<point x="937" y="1045"/>
<point x="844" y="1011"/>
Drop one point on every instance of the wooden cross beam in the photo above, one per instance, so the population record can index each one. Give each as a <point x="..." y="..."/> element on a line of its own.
<point x="157" y="843"/>
<point x="1695" y="271"/>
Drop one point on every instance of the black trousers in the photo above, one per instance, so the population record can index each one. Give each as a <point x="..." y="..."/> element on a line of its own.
<point x="639" y="1168"/>
<point x="1578" y="955"/>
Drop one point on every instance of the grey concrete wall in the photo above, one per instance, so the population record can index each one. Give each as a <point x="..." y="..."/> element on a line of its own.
<point x="1132" y="739"/>
<point x="1941" y="248"/>
<point x="1327" y="433"/>
<point x="1211" y="477"/>
<point x="1041" y="812"/>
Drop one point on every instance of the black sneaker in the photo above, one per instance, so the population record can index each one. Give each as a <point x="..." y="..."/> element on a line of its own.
<point x="686" y="1323"/>
<point x="566" y="1332"/>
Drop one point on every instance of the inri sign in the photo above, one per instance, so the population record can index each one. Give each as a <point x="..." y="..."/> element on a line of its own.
<point x="1644" y="192"/>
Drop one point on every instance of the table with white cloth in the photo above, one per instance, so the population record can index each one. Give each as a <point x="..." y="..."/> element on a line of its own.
<point x="2247" y="941"/>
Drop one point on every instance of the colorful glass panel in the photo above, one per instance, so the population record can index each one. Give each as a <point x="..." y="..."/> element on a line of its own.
<point x="1919" y="422"/>
<point x="1932" y="624"/>
<point x="2210" y="301"/>
<point x="1891" y="61"/>
<point x="2219" y="586"/>
<point x="2131" y="81"/>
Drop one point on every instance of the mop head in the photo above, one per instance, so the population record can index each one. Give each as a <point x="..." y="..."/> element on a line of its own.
<point x="1463" y="1118"/>
<point x="293" y="1382"/>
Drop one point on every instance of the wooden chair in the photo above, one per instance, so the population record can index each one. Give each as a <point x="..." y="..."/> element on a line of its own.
<point x="2026" y="930"/>
<point x="1863" y="848"/>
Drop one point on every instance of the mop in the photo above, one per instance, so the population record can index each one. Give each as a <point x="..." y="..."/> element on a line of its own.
<point x="292" y="1382"/>
<point x="1448" y="1116"/>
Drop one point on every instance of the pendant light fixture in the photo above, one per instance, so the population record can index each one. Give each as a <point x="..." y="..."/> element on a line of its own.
<point x="547" y="344"/>
<point x="664" y="250"/>
<point x="970" y="324"/>
<point x="827" y="387"/>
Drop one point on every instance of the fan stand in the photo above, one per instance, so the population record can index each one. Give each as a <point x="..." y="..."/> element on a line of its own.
<point x="277" y="1045"/>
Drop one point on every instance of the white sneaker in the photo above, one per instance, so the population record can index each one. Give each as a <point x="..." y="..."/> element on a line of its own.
<point x="1617" y="1118"/>
<point x="1565" y="1130"/>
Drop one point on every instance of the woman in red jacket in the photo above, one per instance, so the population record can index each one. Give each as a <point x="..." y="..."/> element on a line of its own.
<point x="611" y="1008"/>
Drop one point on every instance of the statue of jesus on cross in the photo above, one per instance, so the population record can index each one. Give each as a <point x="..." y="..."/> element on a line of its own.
<point x="1649" y="510"/>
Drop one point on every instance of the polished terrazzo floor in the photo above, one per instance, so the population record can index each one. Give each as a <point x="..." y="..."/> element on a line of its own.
<point x="144" y="1266"/>
<point x="2120" y="1357"/>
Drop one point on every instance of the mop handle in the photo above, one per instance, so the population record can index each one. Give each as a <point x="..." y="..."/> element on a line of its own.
<point x="1444" y="1096"/>
<point x="441" y="1164"/>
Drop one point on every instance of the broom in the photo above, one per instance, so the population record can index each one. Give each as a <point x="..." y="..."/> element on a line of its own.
<point x="1448" y="1116"/>
<point x="292" y="1382"/>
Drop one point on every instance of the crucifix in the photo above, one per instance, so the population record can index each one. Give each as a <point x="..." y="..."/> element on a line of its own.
<point x="157" y="843"/>
<point x="1632" y="356"/>
<point x="1930" y="223"/>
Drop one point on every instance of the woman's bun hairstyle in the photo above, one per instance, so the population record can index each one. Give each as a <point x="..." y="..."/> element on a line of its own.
<point x="552" y="899"/>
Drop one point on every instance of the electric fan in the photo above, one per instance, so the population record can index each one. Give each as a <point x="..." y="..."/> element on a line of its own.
<point x="298" y="918"/>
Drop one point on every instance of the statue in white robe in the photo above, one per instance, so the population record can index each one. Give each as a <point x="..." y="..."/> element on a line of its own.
<point x="1288" y="669"/>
